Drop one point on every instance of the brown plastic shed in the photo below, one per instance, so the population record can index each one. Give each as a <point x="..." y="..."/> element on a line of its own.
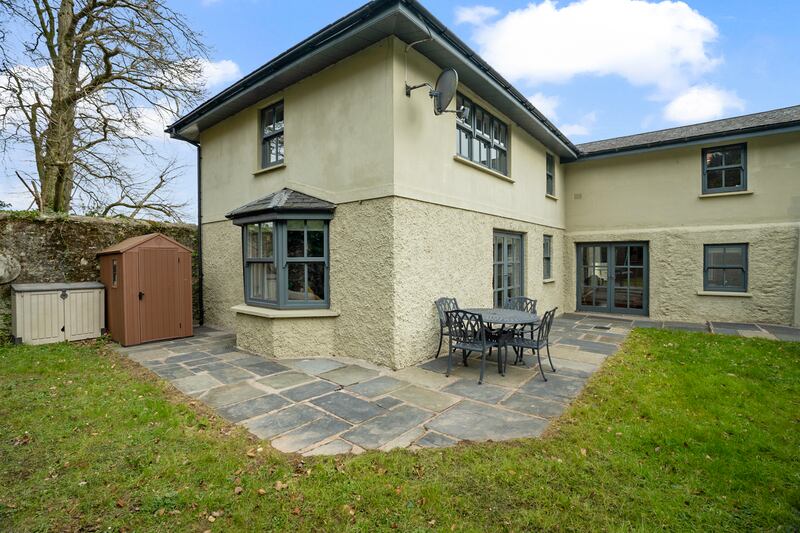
<point x="148" y="282"/>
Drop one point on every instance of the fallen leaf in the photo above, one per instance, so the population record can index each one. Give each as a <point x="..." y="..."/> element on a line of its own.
<point x="583" y="452"/>
<point x="296" y="511"/>
<point x="238" y="490"/>
<point x="120" y="503"/>
<point x="212" y="518"/>
<point x="262" y="491"/>
<point x="280" y="485"/>
<point x="251" y="453"/>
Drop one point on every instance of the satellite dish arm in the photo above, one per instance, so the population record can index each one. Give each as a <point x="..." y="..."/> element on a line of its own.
<point x="410" y="88"/>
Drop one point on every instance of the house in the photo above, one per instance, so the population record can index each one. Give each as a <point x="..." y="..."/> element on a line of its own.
<point x="335" y="207"/>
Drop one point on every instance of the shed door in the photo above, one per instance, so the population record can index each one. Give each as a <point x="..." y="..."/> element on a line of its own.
<point x="84" y="314"/>
<point x="159" y="301"/>
<point x="43" y="317"/>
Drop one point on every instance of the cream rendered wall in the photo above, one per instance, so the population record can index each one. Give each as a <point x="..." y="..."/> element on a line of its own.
<point x="446" y="213"/>
<point x="338" y="139"/>
<point x="655" y="197"/>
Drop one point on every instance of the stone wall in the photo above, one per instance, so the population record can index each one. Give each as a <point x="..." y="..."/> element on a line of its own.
<point x="62" y="249"/>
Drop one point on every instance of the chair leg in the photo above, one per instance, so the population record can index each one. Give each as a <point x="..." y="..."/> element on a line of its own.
<point x="441" y="338"/>
<point x="483" y="366"/>
<point x="539" y="358"/>
<point x="549" y="358"/>
<point x="464" y="357"/>
<point x="449" y="361"/>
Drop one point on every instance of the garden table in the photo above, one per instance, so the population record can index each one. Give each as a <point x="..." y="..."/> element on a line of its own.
<point x="503" y="322"/>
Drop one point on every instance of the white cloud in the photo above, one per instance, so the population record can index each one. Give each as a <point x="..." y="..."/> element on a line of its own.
<point x="581" y="128"/>
<point x="664" y="44"/>
<point x="476" y="15"/>
<point x="546" y="104"/>
<point x="220" y="72"/>
<point x="701" y="103"/>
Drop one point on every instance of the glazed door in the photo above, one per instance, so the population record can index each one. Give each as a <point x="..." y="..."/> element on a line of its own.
<point x="612" y="277"/>
<point x="159" y="302"/>
<point x="507" y="280"/>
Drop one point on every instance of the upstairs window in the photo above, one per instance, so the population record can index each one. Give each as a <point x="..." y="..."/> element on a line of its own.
<point x="725" y="267"/>
<point x="272" y="135"/>
<point x="481" y="137"/>
<point x="547" y="257"/>
<point x="725" y="169"/>
<point x="550" y="175"/>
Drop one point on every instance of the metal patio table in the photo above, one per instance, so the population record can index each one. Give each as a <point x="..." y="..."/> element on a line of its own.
<point x="502" y="323"/>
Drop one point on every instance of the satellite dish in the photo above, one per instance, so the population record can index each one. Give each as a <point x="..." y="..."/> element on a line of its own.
<point x="445" y="90"/>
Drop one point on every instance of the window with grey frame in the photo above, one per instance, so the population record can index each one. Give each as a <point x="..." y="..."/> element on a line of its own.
<point x="508" y="277"/>
<point x="286" y="263"/>
<point x="481" y="137"/>
<point x="725" y="169"/>
<point x="272" y="135"/>
<point x="547" y="257"/>
<point x="550" y="175"/>
<point x="725" y="267"/>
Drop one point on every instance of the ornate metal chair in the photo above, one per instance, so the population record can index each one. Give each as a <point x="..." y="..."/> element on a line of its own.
<point x="468" y="334"/>
<point x="540" y="338"/>
<point x="521" y="303"/>
<point x="443" y="305"/>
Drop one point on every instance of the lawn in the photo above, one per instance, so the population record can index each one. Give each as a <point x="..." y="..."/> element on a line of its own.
<point x="679" y="431"/>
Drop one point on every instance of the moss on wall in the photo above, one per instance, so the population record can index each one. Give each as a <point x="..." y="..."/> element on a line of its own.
<point x="62" y="249"/>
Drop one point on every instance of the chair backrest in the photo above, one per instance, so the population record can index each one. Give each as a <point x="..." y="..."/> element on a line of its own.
<point x="543" y="332"/>
<point x="443" y="305"/>
<point x="521" y="303"/>
<point x="466" y="327"/>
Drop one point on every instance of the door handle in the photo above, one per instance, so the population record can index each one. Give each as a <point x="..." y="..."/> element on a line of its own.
<point x="141" y="295"/>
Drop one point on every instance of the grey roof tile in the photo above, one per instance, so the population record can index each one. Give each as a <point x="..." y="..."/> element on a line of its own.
<point x="777" y="118"/>
<point x="282" y="200"/>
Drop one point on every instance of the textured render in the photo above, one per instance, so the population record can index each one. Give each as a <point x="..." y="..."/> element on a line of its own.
<point x="443" y="251"/>
<point x="285" y="338"/>
<point x="222" y="273"/>
<point x="676" y="271"/>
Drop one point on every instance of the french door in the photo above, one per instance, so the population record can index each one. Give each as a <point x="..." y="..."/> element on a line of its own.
<point x="507" y="280"/>
<point x="613" y="277"/>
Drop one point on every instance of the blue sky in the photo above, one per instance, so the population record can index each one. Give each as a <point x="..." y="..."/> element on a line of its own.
<point x="596" y="68"/>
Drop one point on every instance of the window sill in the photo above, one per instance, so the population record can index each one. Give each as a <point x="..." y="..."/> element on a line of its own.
<point x="482" y="168"/>
<point x="265" y="312"/>
<point x="268" y="169"/>
<point x="549" y="280"/>
<point x="718" y="194"/>
<point x="551" y="196"/>
<point x="729" y="294"/>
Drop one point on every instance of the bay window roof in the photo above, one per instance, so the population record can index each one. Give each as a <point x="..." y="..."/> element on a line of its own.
<point x="283" y="204"/>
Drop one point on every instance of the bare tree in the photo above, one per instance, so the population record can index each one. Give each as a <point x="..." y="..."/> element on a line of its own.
<point x="83" y="87"/>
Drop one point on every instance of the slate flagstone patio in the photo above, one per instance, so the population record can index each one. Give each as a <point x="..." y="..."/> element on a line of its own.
<point x="327" y="406"/>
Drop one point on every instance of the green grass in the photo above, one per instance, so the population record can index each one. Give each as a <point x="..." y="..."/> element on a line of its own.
<point x="680" y="431"/>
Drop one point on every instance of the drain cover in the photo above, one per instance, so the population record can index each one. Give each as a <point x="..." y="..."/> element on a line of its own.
<point x="602" y="327"/>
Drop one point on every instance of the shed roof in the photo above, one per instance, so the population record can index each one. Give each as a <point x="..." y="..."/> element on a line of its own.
<point x="284" y="200"/>
<point x="768" y="120"/>
<point x="133" y="242"/>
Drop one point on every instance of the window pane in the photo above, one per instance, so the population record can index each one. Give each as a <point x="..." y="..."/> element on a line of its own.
<point x="621" y="277"/>
<point x="636" y="255"/>
<point x="587" y="297"/>
<point x="279" y="148"/>
<point x="295" y="245"/>
<point x="733" y="177"/>
<point x="316" y="242"/>
<point x="715" y="278"/>
<point x="714" y="179"/>
<point x="551" y="188"/>
<point x="715" y="256"/>
<point x="621" y="298"/>
<point x="734" y="278"/>
<point x="268" y="118"/>
<point x="503" y="162"/>
<point x="734" y="256"/>
<point x="252" y="240"/>
<point x="279" y="116"/>
<point x="296" y="281"/>
<point x="714" y="159"/>
<point x="636" y="299"/>
<point x="601" y="297"/>
<point x="601" y="276"/>
<point x="637" y="277"/>
<point x="463" y="139"/>
<point x="483" y="157"/>
<point x="546" y="268"/>
<point x="266" y="240"/>
<point x="732" y="156"/>
<point x="621" y="255"/>
<point x="316" y="281"/>
<point x="495" y="159"/>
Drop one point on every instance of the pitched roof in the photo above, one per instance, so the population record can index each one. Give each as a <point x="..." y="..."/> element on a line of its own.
<point x="284" y="200"/>
<point x="132" y="242"/>
<point x="410" y="22"/>
<point x="767" y="120"/>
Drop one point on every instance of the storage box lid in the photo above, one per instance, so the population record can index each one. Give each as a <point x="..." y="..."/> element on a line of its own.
<point x="41" y="287"/>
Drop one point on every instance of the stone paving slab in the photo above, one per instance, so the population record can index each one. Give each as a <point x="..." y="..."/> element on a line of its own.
<point x="254" y="407"/>
<point x="534" y="406"/>
<point x="313" y="432"/>
<point x="334" y="447"/>
<point x="285" y="380"/>
<point x="425" y="398"/>
<point x="310" y="390"/>
<point x="374" y="433"/>
<point x="228" y="394"/>
<point x="273" y="424"/>
<point x="348" y="407"/>
<point x="377" y="387"/>
<point x="431" y="439"/>
<point x="196" y="383"/>
<point x="350" y="374"/>
<point x="314" y="367"/>
<point x="470" y="389"/>
<point x="468" y="420"/>
<point x="556" y="386"/>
